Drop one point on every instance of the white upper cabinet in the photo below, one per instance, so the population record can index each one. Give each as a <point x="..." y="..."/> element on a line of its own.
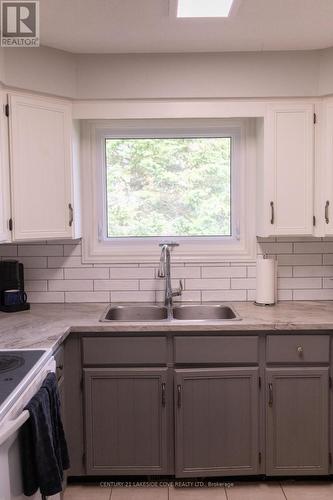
<point x="5" y="234"/>
<point x="41" y="168"/>
<point x="286" y="171"/>
<point x="324" y="170"/>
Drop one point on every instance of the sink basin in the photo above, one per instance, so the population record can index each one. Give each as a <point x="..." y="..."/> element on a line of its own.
<point x="135" y="313"/>
<point x="186" y="312"/>
<point x="204" y="312"/>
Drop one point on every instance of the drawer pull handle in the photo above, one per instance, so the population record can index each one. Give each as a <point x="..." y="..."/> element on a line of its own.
<point x="179" y="396"/>
<point x="270" y="394"/>
<point x="300" y="351"/>
<point x="163" y="394"/>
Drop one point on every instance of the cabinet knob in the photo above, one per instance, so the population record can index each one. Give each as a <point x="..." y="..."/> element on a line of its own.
<point x="300" y="350"/>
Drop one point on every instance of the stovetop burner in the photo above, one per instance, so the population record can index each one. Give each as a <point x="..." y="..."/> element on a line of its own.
<point x="14" y="367"/>
<point x="9" y="362"/>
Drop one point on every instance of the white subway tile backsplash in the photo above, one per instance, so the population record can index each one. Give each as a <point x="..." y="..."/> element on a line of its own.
<point x="72" y="250"/>
<point x="275" y="248"/>
<point x="70" y="285"/>
<point x="93" y="273"/>
<point x="328" y="283"/>
<point x="295" y="283"/>
<point x="8" y="251"/>
<point x="323" y="294"/>
<point x="33" y="262"/>
<point x="251" y="271"/>
<point x="224" y="272"/>
<point x="116" y="285"/>
<point x="136" y="296"/>
<point x="311" y="247"/>
<point x="66" y="262"/>
<point x="87" y="296"/>
<point x="285" y="294"/>
<point x="54" y="272"/>
<point x="187" y="296"/>
<point x="44" y="274"/>
<point x="185" y="272"/>
<point x="224" y="295"/>
<point x="157" y="284"/>
<point x="45" y="297"/>
<point x="35" y="286"/>
<point x="300" y="260"/>
<point x="304" y="271"/>
<point x="40" y="250"/>
<point x="124" y="273"/>
<point x="328" y="259"/>
<point x="285" y="271"/>
<point x="207" y="284"/>
<point x="243" y="283"/>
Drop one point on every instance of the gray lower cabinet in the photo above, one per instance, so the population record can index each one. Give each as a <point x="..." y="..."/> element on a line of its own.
<point x="216" y="421"/>
<point x="126" y="420"/>
<point x="297" y="421"/>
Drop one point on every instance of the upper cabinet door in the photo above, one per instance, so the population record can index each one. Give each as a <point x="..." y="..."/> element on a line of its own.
<point x="40" y="135"/>
<point x="286" y="174"/>
<point x="5" y="235"/>
<point x="324" y="188"/>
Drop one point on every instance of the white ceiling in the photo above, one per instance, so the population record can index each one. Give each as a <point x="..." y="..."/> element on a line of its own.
<point x="128" y="26"/>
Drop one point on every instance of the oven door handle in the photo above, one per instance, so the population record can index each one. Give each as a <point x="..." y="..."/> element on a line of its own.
<point x="12" y="426"/>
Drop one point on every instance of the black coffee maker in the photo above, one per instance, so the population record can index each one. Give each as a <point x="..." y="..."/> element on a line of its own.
<point x="12" y="284"/>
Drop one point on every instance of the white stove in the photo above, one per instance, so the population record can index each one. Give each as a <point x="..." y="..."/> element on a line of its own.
<point x="22" y="373"/>
<point x="17" y="369"/>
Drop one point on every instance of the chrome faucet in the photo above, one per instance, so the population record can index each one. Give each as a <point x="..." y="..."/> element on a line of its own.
<point x="164" y="271"/>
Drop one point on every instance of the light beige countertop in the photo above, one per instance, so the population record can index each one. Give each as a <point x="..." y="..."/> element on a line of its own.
<point x="47" y="325"/>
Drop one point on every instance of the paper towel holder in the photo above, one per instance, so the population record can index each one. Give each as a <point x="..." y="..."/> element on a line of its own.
<point x="271" y="304"/>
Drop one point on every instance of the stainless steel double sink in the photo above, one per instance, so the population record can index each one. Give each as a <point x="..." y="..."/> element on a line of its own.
<point x="184" y="312"/>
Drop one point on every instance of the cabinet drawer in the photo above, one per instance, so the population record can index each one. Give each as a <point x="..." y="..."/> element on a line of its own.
<point x="217" y="350"/>
<point x="125" y="351"/>
<point x="297" y="349"/>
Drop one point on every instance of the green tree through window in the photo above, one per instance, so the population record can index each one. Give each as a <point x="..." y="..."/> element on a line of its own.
<point x="168" y="187"/>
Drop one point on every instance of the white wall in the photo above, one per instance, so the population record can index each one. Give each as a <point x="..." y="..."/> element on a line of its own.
<point x="41" y="69"/>
<point x="252" y="74"/>
<point x="198" y="75"/>
<point x="126" y="76"/>
<point x="325" y="76"/>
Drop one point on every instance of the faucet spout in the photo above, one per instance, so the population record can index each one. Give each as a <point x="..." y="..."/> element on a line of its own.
<point x="161" y="270"/>
<point x="164" y="271"/>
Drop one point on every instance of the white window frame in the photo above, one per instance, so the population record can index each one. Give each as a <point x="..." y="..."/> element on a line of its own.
<point x="97" y="248"/>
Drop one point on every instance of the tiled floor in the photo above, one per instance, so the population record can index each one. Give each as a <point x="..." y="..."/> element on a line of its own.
<point x="286" y="490"/>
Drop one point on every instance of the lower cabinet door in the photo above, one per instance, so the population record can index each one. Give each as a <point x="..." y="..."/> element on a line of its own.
<point x="297" y="421"/>
<point x="216" y="421"/>
<point x="126" y="421"/>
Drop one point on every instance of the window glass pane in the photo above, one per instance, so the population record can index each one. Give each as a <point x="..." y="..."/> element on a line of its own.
<point x="168" y="187"/>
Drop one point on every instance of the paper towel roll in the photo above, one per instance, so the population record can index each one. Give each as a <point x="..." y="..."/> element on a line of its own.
<point x="266" y="281"/>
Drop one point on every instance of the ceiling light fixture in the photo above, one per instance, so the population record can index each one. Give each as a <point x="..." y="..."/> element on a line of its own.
<point x="204" y="8"/>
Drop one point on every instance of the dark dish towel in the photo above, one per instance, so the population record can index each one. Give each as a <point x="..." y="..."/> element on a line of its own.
<point x="59" y="439"/>
<point x="43" y="459"/>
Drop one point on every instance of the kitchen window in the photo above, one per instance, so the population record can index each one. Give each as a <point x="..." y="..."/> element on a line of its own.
<point x="151" y="181"/>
